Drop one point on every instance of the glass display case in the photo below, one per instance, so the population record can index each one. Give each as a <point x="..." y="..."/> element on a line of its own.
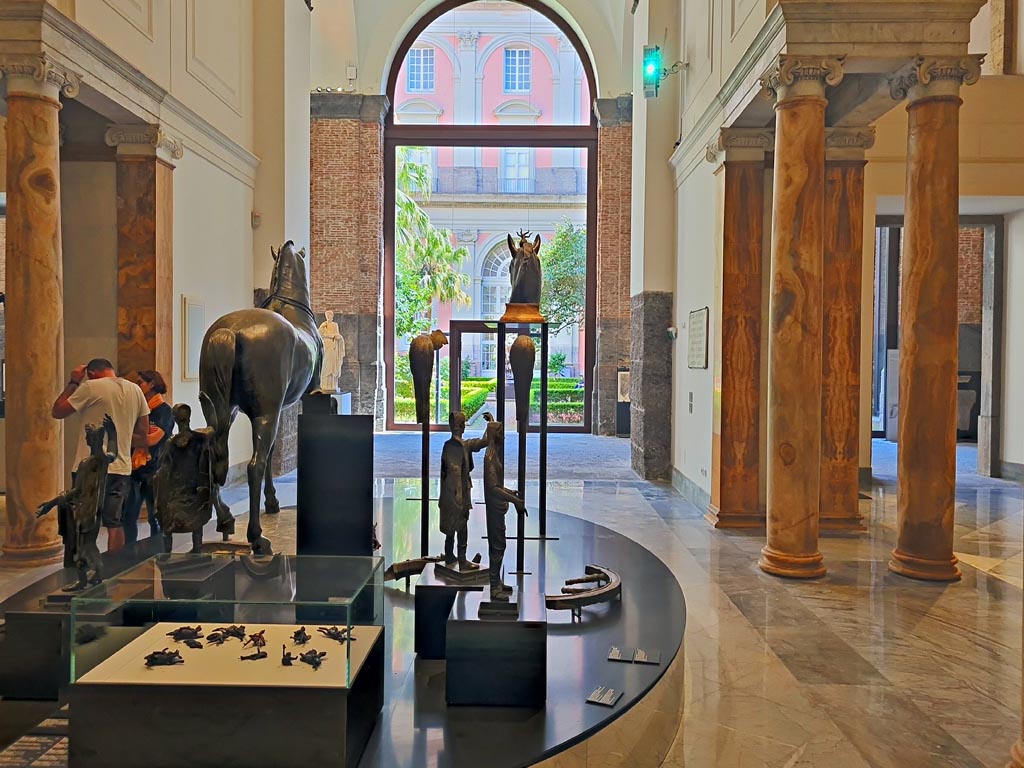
<point x="214" y="614"/>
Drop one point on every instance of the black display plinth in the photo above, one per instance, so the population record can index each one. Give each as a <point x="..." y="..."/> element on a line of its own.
<point x="434" y="599"/>
<point x="334" y="509"/>
<point x="496" y="663"/>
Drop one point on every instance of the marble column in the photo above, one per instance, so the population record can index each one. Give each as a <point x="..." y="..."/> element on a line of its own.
<point x="840" y="403"/>
<point x="795" y="315"/>
<point x="926" y="466"/>
<point x="736" y="454"/>
<point x="35" y="304"/>
<point x="145" y="261"/>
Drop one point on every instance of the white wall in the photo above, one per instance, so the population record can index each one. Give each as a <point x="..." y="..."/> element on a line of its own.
<point x="1012" y="448"/>
<point x="212" y="261"/>
<point x="694" y="288"/>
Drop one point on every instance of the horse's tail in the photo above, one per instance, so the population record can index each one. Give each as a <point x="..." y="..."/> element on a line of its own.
<point x="216" y="365"/>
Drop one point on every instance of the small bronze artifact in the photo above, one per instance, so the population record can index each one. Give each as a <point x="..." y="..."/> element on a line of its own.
<point x="185" y="633"/>
<point x="527" y="280"/>
<point x="313" y="657"/>
<point x="287" y="657"/>
<point x="78" y="508"/>
<point x="228" y="632"/>
<point x="164" y="658"/>
<point x="259" y="362"/>
<point x="300" y="636"/>
<point x="341" y="635"/>
<point x="256" y="640"/>
<point x="193" y="644"/>
<point x="254" y="656"/>
<point x="599" y="585"/>
<point x="216" y="638"/>
<point x="421" y="365"/>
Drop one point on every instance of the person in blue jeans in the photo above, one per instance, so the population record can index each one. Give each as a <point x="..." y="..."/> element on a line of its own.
<point x="146" y="463"/>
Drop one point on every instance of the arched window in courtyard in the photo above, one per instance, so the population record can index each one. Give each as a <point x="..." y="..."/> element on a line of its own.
<point x="491" y="132"/>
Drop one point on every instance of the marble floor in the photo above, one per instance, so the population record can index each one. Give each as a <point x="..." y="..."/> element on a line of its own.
<point x="859" y="669"/>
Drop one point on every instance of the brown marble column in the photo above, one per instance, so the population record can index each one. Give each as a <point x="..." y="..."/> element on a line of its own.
<point x="35" y="305"/>
<point x="145" y="260"/>
<point x="926" y="467"/>
<point x="736" y="444"/>
<point x="794" y="341"/>
<point x="840" y="387"/>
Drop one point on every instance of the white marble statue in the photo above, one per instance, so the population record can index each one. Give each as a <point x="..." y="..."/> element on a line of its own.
<point x="334" y="353"/>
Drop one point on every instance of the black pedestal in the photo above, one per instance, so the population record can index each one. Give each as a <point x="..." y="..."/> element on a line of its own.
<point x="434" y="600"/>
<point x="334" y="514"/>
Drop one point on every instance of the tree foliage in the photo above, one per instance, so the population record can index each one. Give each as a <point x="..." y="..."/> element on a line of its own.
<point x="564" y="265"/>
<point x="426" y="262"/>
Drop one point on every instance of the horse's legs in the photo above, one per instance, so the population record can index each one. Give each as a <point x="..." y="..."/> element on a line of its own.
<point x="264" y="432"/>
<point x="270" y="504"/>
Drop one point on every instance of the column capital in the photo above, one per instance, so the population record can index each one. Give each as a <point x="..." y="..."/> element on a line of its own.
<point x="801" y="76"/>
<point x="732" y="144"/>
<point x="143" y="139"/>
<point x="468" y="40"/>
<point x="936" y="76"/>
<point x="848" y="143"/>
<point x="612" y="112"/>
<point x="38" y="74"/>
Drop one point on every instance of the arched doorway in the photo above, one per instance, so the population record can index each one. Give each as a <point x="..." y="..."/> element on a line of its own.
<point x="491" y="131"/>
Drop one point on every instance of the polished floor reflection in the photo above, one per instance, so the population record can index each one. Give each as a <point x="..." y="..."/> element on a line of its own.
<point x="862" y="668"/>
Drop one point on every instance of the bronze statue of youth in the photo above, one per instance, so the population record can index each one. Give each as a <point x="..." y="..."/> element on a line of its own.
<point x="259" y="362"/>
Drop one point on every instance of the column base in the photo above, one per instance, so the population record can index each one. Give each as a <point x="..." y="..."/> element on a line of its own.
<point x="1017" y="755"/>
<point x="791" y="566"/>
<point x="743" y="520"/>
<point x="31" y="556"/>
<point x="924" y="569"/>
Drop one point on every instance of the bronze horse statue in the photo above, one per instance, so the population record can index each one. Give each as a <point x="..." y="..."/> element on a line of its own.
<point x="259" y="362"/>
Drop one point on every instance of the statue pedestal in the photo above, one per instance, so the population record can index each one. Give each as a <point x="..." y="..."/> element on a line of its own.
<point x="522" y="313"/>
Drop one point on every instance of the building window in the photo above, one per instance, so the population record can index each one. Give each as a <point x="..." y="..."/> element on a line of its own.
<point x="517" y="171"/>
<point x="517" y="70"/>
<point x="495" y="288"/>
<point x="419" y="76"/>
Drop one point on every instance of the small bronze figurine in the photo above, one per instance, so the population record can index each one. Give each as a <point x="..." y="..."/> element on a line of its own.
<point x="341" y="635"/>
<point x="164" y="658"/>
<point x="300" y="636"/>
<point x="496" y="499"/>
<point x="78" y="508"/>
<point x="256" y="640"/>
<point x="421" y="364"/>
<point x="227" y="633"/>
<point x="216" y="638"/>
<point x="313" y="657"/>
<point x="254" y="656"/>
<point x="193" y="644"/>
<point x="287" y="657"/>
<point x="456" y="498"/>
<point x="185" y="633"/>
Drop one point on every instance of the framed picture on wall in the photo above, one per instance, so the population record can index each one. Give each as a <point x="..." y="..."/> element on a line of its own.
<point x="697" y="339"/>
<point x="193" y="328"/>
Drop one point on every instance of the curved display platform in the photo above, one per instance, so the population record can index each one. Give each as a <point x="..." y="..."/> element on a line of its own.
<point x="417" y="729"/>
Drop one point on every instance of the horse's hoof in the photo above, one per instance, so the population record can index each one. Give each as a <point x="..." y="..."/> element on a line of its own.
<point x="272" y="507"/>
<point x="262" y="546"/>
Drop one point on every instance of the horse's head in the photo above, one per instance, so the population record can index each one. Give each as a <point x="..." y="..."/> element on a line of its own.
<point x="437" y="338"/>
<point x="524" y="249"/>
<point x="289" y="277"/>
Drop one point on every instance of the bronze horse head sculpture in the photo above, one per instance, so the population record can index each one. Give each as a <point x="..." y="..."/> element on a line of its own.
<point x="259" y="362"/>
<point x="525" y="269"/>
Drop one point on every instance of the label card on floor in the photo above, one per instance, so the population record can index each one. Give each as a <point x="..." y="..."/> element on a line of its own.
<point x="646" y="656"/>
<point x="604" y="696"/>
<point x="619" y="654"/>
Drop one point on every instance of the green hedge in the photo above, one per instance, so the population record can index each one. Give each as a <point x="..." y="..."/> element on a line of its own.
<point x="473" y="399"/>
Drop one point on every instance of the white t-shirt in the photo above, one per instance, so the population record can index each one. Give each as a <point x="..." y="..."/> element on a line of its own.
<point x="125" y="403"/>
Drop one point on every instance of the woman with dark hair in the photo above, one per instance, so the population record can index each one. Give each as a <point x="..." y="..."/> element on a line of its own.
<point x="146" y="462"/>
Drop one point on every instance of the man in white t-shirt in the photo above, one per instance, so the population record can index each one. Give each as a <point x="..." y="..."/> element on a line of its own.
<point x="94" y="391"/>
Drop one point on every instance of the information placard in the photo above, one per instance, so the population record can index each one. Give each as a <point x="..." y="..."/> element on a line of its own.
<point x="697" y="339"/>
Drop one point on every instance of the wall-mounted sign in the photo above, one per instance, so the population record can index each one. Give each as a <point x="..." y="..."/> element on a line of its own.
<point x="697" y="339"/>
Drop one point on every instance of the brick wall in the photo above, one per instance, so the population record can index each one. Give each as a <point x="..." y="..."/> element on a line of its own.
<point x="347" y="234"/>
<point x="614" y="190"/>
<point x="971" y="252"/>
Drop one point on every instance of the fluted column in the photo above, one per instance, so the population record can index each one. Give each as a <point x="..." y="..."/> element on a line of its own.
<point x="736" y="453"/>
<point x="145" y="259"/>
<point x="794" y="341"/>
<point x="840" y="403"/>
<point x="926" y="467"/>
<point x="35" y="304"/>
